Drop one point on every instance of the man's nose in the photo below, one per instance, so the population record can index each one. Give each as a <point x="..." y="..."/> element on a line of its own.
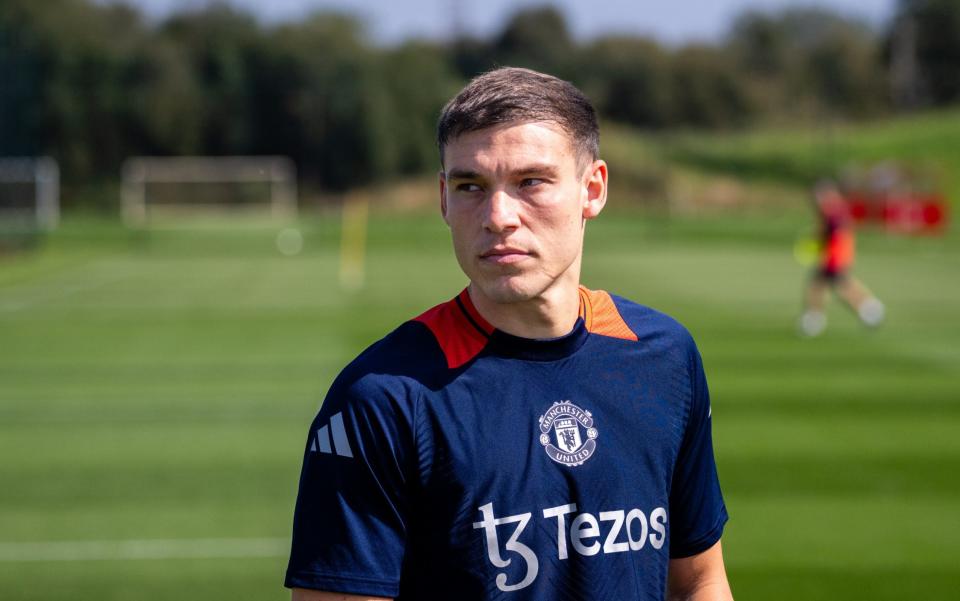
<point x="501" y="212"/>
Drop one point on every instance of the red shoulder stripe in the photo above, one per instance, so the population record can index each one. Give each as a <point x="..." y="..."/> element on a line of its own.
<point x="459" y="329"/>
<point x="467" y="305"/>
<point x="601" y="316"/>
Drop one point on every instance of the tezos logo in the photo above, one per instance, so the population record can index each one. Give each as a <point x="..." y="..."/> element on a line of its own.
<point x="574" y="436"/>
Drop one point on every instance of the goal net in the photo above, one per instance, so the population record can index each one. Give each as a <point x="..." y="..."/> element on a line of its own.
<point x="29" y="193"/>
<point x="177" y="188"/>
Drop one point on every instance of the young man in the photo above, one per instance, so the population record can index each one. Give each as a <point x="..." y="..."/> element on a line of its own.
<point x="530" y="439"/>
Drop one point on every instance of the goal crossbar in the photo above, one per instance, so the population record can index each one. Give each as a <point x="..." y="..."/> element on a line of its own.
<point x="277" y="171"/>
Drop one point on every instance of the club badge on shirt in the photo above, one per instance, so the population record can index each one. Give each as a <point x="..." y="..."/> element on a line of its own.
<point x="574" y="437"/>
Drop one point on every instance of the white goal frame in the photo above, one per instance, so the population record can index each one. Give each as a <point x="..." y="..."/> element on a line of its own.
<point x="279" y="172"/>
<point x="44" y="173"/>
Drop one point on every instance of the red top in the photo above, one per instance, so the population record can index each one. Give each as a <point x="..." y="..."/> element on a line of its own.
<point x="837" y="238"/>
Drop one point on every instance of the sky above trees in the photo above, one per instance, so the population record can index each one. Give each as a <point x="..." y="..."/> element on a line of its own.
<point x="672" y="22"/>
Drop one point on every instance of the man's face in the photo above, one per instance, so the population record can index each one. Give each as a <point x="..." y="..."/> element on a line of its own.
<point x="516" y="198"/>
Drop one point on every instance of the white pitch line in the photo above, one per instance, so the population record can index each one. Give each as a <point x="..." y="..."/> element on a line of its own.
<point x="47" y="292"/>
<point x="122" y="550"/>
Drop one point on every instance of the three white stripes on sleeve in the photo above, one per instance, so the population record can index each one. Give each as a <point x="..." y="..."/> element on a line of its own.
<point x="341" y="446"/>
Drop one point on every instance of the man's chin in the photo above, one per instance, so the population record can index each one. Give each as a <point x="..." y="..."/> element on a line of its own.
<point x="511" y="289"/>
<point x="507" y="290"/>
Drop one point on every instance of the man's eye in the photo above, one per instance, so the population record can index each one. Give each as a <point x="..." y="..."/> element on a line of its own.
<point x="468" y="188"/>
<point x="530" y="181"/>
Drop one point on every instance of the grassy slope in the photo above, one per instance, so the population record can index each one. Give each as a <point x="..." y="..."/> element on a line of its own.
<point x="803" y="155"/>
<point x="161" y="387"/>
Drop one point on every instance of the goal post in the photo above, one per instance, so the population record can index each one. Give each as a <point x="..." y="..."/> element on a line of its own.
<point x="30" y="192"/>
<point x="139" y="174"/>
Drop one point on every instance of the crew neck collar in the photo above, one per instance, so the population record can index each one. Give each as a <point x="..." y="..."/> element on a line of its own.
<point x="539" y="349"/>
<point x="517" y="347"/>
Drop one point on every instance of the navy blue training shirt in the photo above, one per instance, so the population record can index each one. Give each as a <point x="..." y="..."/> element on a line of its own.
<point x="451" y="460"/>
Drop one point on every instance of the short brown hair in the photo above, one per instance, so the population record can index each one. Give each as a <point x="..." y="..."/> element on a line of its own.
<point x="515" y="95"/>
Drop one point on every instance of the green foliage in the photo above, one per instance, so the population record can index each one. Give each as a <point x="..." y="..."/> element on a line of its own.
<point x="67" y="62"/>
<point x="844" y="72"/>
<point x="219" y="44"/>
<point x="418" y="80"/>
<point x="167" y="102"/>
<point x="706" y="91"/>
<point x="19" y="95"/>
<point x="936" y="46"/>
<point x="536" y="38"/>
<point x="629" y="80"/>
<point x="320" y="84"/>
<point x="809" y="62"/>
<point x="92" y="83"/>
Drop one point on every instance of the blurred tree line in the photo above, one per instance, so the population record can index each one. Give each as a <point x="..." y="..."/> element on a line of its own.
<point x="92" y="84"/>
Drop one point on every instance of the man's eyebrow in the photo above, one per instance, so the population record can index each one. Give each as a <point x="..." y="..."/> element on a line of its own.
<point x="538" y="169"/>
<point x="457" y="173"/>
<point x="525" y="171"/>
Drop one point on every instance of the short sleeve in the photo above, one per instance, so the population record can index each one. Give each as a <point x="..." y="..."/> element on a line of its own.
<point x="350" y="521"/>
<point x="697" y="511"/>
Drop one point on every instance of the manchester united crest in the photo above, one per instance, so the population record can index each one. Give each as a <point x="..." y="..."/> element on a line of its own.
<point x="568" y="434"/>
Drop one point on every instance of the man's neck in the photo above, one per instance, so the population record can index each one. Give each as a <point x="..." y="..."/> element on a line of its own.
<point x="550" y="315"/>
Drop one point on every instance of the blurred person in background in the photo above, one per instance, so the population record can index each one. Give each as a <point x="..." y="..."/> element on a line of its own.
<point x="836" y="245"/>
<point x="530" y="439"/>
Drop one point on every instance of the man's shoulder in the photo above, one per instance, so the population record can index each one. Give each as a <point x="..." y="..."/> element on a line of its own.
<point x="649" y="324"/>
<point x="388" y="377"/>
<point x="409" y="352"/>
<point x="420" y="352"/>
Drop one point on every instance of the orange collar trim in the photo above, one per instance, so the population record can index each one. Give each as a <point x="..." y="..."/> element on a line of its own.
<point x="601" y="316"/>
<point x="462" y="332"/>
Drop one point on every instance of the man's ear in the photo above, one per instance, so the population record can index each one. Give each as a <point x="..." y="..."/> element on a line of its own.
<point x="595" y="189"/>
<point x="443" y="197"/>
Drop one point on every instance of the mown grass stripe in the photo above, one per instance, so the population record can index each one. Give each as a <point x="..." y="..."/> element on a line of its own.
<point x="149" y="549"/>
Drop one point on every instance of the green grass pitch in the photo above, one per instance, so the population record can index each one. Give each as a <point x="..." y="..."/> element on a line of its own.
<point x="158" y="387"/>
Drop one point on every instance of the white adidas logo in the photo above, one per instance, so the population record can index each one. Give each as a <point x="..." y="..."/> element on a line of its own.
<point x="341" y="446"/>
